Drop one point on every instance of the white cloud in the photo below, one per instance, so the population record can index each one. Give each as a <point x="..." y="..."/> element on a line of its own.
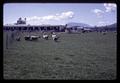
<point x="98" y="12"/>
<point x="109" y="7"/>
<point x="56" y="17"/>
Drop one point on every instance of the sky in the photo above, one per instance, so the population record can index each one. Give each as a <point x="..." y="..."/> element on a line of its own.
<point x="94" y="14"/>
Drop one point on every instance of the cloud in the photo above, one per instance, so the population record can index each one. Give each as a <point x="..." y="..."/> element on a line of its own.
<point x="98" y="12"/>
<point x="110" y="7"/>
<point x="57" y="17"/>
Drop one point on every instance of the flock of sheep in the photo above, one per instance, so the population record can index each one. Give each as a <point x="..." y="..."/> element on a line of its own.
<point x="44" y="36"/>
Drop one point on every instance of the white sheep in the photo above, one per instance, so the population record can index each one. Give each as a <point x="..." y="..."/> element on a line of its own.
<point x="45" y="36"/>
<point x="54" y="36"/>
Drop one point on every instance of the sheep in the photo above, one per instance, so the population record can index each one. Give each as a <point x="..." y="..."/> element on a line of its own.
<point x="30" y="38"/>
<point x="45" y="36"/>
<point x="27" y="37"/>
<point x="104" y="33"/>
<point x="54" y="36"/>
<point x="34" y="37"/>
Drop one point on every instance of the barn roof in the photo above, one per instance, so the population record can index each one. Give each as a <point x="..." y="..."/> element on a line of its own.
<point x="22" y="25"/>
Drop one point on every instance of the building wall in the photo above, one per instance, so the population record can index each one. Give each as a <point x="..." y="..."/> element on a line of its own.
<point x="35" y="28"/>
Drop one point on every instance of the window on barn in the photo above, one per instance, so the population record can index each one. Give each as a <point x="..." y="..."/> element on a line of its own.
<point x="24" y="28"/>
<point x="16" y="28"/>
<point x="42" y="28"/>
<point x="12" y="28"/>
<point x="71" y="28"/>
<point x="36" y="28"/>
<point x="48" y="28"/>
<point x="19" y="28"/>
<point x="54" y="28"/>
<point x="51" y="28"/>
<point x="30" y="28"/>
<point x="9" y="28"/>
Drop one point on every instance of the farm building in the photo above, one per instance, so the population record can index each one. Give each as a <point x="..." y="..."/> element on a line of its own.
<point x="35" y="27"/>
<point x="22" y="26"/>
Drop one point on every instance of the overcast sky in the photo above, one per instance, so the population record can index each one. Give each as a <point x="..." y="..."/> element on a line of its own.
<point x="61" y="13"/>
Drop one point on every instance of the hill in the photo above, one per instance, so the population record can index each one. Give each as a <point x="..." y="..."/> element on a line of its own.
<point x="72" y="24"/>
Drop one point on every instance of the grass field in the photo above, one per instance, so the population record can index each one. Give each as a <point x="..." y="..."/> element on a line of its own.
<point x="89" y="56"/>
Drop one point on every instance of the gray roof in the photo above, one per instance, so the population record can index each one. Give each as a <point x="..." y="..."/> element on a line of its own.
<point x="23" y="25"/>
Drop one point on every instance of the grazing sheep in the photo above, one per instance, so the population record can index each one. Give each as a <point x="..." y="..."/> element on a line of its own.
<point x="55" y="39"/>
<point x="27" y="37"/>
<point x="34" y="37"/>
<point x="104" y="33"/>
<point x="54" y="36"/>
<point x="31" y="38"/>
<point x="45" y="36"/>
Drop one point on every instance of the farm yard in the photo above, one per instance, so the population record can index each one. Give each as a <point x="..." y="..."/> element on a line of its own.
<point x="85" y="56"/>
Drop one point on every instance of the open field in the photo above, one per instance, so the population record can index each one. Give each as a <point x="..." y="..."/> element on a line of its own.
<point x="88" y="56"/>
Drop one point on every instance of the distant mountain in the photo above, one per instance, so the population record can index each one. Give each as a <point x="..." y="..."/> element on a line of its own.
<point x="72" y="24"/>
<point x="113" y="25"/>
<point x="109" y="26"/>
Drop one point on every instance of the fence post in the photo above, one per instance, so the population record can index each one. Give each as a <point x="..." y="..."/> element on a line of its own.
<point x="7" y="41"/>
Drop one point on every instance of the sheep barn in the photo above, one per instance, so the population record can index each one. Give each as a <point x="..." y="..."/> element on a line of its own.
<point x="22" y="26"/>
